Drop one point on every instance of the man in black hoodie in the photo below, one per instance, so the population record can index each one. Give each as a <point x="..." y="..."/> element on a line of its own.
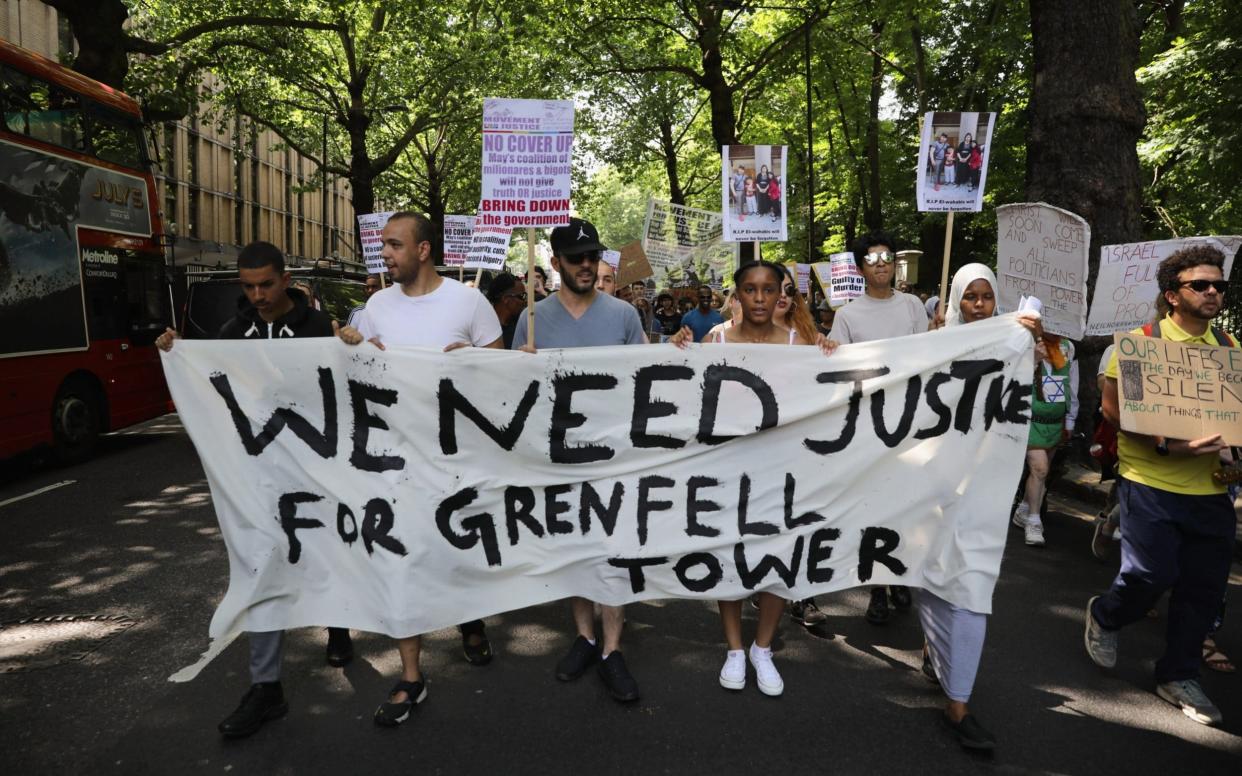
<point x="269" y="309"/>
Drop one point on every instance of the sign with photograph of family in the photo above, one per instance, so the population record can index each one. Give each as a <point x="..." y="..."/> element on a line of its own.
<point x="752" y="195"/>
<point x="953" y="161"/>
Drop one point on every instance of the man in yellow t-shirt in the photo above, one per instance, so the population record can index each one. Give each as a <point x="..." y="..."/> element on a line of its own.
<point x="1178" y="522"/>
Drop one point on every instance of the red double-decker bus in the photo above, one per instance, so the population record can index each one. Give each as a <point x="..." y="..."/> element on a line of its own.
<point x="83" y="289"/>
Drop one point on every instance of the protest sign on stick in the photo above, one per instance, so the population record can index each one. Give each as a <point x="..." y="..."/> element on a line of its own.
<point x="632" y="264"/>
<point x="370" y="229"/>
<point x="1179" y="390"/>
<point x="457" y="234"/>
<point x="840" y="279"/>
<point x="1126" y="287"/>
<point x="527" y="156"/>
<point x="684" y="248"/>
<point x="611" y="258"/>
<point x="489" y="247"/>
<point x="1041" y="251"/>
<point x="952" y="166"/>
<point x="399" y="491"/>
<point x="752" y="194"/>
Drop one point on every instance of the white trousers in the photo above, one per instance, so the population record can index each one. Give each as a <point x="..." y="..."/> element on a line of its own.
<point x="955" y="642"/>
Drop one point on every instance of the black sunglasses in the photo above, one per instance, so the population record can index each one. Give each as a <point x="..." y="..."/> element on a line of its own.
<point x="1201" y="286"/>
<point x="578" y="258"/>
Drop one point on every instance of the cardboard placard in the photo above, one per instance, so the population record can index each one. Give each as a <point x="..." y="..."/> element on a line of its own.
<point x="1041" y="251"/>
<point x="634" y="265"/>
<point x="370" y="228"/>
<point x="752" y="192"/>
<point x="1179" y="390"/>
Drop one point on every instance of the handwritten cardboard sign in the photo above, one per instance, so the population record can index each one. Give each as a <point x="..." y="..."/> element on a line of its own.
<point x="633" y="264"/>
<point x="1041" y="251"/>
<point x="1179" y="390"/>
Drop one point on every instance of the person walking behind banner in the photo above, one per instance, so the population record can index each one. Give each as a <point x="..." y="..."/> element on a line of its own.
<point x="507" y="296"/>
<point x="423" y="309"/>
<point x="539" y="285"/>
<point x="579" y="316"/>
<point x="1178" y="521"/>
<point x="606" y="280"/>
<point x="881" y="312"/>
<point x="372" y="285"/>
<point x="667" y="315"/>
<point x="1054" y="411"/>
<point x="270" y="309"/>
<point x="953" y="635"/>
<point x="757" y="287"/>
<point x="701" y="319"/>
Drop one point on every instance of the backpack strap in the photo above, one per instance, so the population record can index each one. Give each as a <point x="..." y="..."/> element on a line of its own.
<point x="1223" y="338"/>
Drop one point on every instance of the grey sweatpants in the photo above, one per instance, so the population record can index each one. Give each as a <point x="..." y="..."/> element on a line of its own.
<point x="955" y="642"/>
<point x="266" y="649"/>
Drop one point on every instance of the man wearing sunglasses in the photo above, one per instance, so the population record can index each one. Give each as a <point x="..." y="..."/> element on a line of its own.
<point x="1179" y="521"/>
<point x="578" y="315"/>
<point x="882" y="312"/>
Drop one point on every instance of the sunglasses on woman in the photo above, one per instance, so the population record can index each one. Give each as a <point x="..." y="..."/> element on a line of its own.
<point x="873" y="259"/>
<point x="788" y="291"/>
<point x="1201" y="286"/>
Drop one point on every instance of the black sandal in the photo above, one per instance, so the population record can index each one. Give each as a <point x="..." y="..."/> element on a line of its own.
<point x="476" y="654"/>
<point x="390" y="714"/>
<point x="929" y="670"/>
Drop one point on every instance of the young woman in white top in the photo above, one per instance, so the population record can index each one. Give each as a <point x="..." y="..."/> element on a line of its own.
<point x="757" y="287"/>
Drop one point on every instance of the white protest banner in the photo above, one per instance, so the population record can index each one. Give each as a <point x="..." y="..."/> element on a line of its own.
<point x="840" y="278"/>
<point x="684" y="248"/>
<point x="752" y="193"/>
<point x="1041" y="251"/>
<point x="952" y="167"/>
<point x="1126" y="287"/>
<point x="611" y="258"/>
<point x="527" y="155"/>
<point x="457" y="236"/>
<point x="405" y="490"/>
<point x="489" y="247"/>
<point x="370" y="227"/>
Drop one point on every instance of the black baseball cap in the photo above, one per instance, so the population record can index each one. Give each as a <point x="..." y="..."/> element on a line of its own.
<point x="578" y="237"/>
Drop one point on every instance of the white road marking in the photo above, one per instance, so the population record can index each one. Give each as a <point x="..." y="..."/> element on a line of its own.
<point x="15" y="499"/>
<point x="214" y="649"/>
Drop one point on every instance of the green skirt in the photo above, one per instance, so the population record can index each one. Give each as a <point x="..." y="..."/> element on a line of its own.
<point x="1045" y="435"/>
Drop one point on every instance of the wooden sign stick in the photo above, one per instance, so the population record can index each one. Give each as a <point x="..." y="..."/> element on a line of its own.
<point x="944" y="270"/>
<point x="530" y="288"/>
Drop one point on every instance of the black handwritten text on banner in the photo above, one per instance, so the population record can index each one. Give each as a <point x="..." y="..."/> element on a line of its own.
<point x="407" y="490"/>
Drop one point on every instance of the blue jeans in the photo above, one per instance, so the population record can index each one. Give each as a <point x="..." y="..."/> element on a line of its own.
<point x="1171" y="542"/>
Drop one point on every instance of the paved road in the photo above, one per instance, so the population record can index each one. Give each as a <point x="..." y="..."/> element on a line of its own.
<point x="133" y="534"/>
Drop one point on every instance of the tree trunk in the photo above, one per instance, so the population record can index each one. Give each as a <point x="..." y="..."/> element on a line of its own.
<point x="675" y="193"/>
<point x="873" y="215"/>
<point x="99" y="28"/>
<point x="1086" y="120"/>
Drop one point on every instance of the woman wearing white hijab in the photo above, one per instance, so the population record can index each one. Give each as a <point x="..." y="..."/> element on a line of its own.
<point x="955" y="635"/>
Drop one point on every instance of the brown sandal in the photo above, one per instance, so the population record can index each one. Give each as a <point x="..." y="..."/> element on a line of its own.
<point x="1215" y="659"/>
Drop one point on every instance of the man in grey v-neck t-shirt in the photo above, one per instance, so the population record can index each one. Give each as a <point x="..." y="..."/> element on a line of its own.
<point x="601" y="320"/>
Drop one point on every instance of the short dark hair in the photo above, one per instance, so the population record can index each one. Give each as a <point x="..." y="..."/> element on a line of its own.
<point x="779" y="270"/>
<point x="1187" y="258"/>
<point x="425" y="230"/>
<point x="703" y="286"/>
<point x="665" y="295"/>
<point x="540" y="272"/>
<point x="501" y="285"/>
<point x="869" y="241"/>
<point x="259" y="254"/>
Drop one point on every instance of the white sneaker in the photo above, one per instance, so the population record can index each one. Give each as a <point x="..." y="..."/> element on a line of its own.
<point x="1034" y="533"/>
<point x="1019" y="514"/>
<point x="733" y="674"/>
<point x="766" y="675"/>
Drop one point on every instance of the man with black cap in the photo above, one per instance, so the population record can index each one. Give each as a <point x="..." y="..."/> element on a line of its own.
<point x="577" y="315"/>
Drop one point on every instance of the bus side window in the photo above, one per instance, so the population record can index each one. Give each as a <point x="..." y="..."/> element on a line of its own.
<point x="40" y="111"/>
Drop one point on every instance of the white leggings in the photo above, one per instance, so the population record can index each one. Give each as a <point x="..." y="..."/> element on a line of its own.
<point x="955" y="642"/>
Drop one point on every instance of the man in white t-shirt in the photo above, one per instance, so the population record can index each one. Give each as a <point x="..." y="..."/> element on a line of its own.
<point x="421" y="308"/>
<point x="882" y="312"/>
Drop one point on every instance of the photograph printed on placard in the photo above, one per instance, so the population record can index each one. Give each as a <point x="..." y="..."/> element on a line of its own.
<point x="953" y="161"/>
<point x="753" y="193"/>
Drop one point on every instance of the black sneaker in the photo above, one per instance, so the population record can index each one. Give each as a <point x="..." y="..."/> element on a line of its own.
<point x="581" y="656"/>
<point x="340" y="647"/>
<point x="901" y="597"/>
<point x="617" y="678"/>
<point x="878" y="611"/>
<point x="390" y="713"/>
<point x="972" y="735"/>
<point x="479" y="654"/>
<point x="807" y="613"/>
<point x="261" y="702"/>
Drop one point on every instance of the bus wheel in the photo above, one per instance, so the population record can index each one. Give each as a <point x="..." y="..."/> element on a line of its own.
<point x="75" y="422"/>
